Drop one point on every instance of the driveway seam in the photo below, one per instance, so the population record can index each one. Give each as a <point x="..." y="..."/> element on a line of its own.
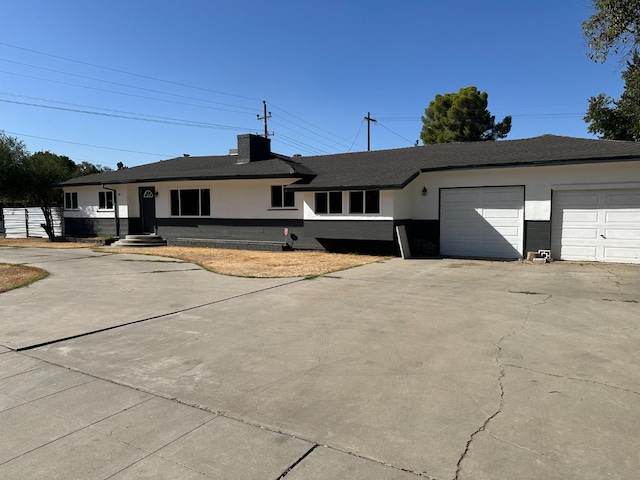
<point x="155" y="452"/>
<point x="155" y="317"/>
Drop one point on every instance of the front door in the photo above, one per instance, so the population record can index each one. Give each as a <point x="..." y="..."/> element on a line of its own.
<point x="148" y="209"/>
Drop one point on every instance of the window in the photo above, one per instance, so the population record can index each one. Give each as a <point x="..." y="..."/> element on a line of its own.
<point x="71" y="200"/>
<point x="356" y="204"/>
<point x="105" y="200"/>
<point x="328" y="202"/>
<point x="192" y="202"/>
<point x="280" y="198"/>
<point x="364" y="202"/>
<point x="335" y="202"/>
<point x="372" y="201"/>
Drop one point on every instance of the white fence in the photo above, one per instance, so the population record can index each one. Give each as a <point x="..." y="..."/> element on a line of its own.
<point x="26" y="222"/>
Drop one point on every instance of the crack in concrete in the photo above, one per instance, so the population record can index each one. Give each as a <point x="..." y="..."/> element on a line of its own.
<point x="502" y="374"/>
<point x="585" y="380"/>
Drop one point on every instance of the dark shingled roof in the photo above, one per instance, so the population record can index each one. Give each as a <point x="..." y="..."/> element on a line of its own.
<point x="393" y="169"/>
<point x="197" y="168"/>
<point x="382" y="169"/>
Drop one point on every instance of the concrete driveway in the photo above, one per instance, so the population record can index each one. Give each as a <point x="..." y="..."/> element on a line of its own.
<point x="124" y="366"/>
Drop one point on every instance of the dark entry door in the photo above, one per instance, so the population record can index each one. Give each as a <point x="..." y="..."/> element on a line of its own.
<point x="148" y="209"/>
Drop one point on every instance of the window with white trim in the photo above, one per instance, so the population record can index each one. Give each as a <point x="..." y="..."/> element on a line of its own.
<point x="280" y="198"/>
<point x="192" y="202"/>
<point x="105" y="200"/>
<point x="71" y="200"/>
<point x="367" y="201"/>
<point x="328" y="202"/>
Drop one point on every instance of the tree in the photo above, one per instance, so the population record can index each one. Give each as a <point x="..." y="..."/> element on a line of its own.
<point x="618" y="119"/>
<point x="462" y="117"/>
<point x="87" y="168"/>
<point x="12" y="155"/>
<point x="614" y="26"/>
<point x="31" y="179"/>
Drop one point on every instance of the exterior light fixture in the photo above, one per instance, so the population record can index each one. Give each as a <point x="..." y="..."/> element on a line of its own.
<point x="424" y="191"/>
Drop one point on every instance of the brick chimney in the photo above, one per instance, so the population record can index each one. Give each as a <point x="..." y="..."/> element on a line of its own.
<point x="253" y="148"/>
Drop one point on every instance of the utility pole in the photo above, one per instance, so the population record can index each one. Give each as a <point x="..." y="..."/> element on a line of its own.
<point x="265" y="117"/>
<point x="369" y="120"/>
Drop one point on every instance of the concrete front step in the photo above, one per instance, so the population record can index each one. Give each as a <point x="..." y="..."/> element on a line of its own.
<point x="140" y="241"/>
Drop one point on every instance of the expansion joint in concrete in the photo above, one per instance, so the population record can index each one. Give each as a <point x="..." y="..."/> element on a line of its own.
<point x="294" y="464"/>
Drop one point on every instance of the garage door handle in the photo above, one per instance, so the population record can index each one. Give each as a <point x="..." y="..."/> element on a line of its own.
<point x="603" y="237"/>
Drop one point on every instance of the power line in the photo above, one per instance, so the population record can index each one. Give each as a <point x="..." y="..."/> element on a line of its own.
<point x="125" y="94"/>
<point x="89" y="145"/>
<point x="357" y="134"/>
<point x="341" y="140"/>
<point x="126" y="72"/>
<point x="98" y="108"/>
<point x="396" y="134"/>
<point x="184" y="123"/>
<point x="123" y="84"/>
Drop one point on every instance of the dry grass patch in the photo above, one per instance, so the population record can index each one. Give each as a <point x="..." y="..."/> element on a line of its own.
<point x="250" y="263"/>
<point x="41" y="243"/>
<point x="16" y="276"/>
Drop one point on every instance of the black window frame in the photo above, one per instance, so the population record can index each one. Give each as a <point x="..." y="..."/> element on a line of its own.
<point x="70" y="200"/>
<point x="328" y="203"/>
<point x="182" y="200"/>
<point x="364" y="202"/>
<point x="105" y="200"/>
<point x="281" y="198"/>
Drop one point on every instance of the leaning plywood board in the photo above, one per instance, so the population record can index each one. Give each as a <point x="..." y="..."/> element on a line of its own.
<point x="403" y="241"/>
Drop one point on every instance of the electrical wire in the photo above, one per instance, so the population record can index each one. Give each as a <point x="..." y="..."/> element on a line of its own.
<point x="124" y="84"/>
<point x="127" y="73"/>
<point x="185" y="123"/>
<point x="126" y="94"/>
<point x="396" y="134"/>
<point x="100" y="108"/>
<point x="357" y="135"/>
<point x="89" y="145"/>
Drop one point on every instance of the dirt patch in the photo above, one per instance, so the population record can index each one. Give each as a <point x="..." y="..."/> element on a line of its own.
<point x="250" y="263"/>
<point x="239" y="263"/>
<point x="16" y="276"/>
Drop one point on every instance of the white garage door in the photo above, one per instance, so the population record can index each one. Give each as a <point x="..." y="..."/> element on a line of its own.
<point x="482" y="222"/>
<point x="596" y="225"/>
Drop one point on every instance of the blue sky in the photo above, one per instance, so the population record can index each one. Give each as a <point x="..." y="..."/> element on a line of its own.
<point x="198" y="71"/>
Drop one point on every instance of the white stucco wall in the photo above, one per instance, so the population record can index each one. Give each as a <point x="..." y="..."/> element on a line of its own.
<point x="88" y="203"/>
<point x="386" y="208"/>
<point x="229" y="199"/>
<point x="538" y="182"/>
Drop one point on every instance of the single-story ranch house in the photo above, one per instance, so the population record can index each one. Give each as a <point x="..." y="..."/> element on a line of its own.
<point x="577" y="198"/>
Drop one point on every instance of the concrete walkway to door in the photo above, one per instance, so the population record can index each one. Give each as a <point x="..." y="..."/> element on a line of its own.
<point x="138" y="367"/>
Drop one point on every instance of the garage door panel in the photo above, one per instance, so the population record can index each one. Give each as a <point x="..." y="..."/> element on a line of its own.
<point x="580" y="233"/>
<point x="500" y="213"/>
<point x="482" y="222"/>
<point x="461" y="198"/>
<point x="623" y="199"/>
<point x="622" y="216"/>
<point x="621" y="233"/>
<point x="580" y="216"/>
<point x="576" y="200"/>
<point x="625" y="255"/>
<point x="608" y="231"/>
<point x="575" y="252"/>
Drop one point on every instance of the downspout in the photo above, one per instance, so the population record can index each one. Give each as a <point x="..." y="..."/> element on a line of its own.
<point x="115" y="208"/>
